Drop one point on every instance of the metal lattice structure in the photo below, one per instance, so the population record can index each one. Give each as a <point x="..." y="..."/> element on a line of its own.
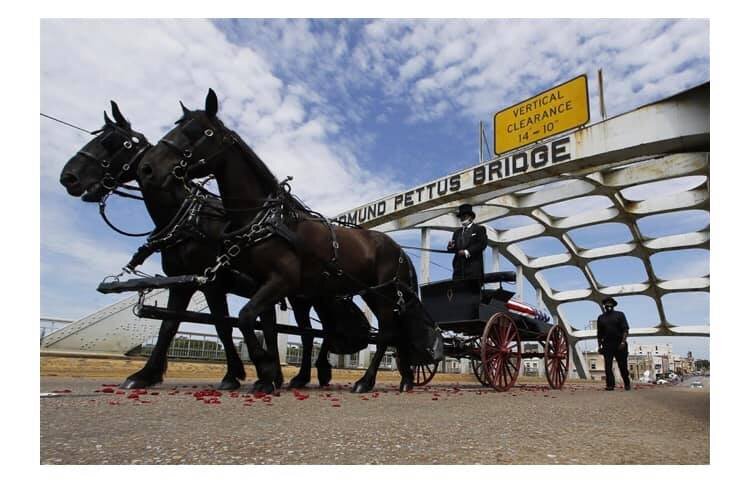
<point x="663" y="141"/>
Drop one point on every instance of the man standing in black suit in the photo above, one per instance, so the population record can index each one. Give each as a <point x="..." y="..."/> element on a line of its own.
<point x="612" y="333"/>
<point x="468" y="244"/>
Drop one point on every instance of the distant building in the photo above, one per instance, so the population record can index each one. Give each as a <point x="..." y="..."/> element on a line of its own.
<point x="649" y="360"/>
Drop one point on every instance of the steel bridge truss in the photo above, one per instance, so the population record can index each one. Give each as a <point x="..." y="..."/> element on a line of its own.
<point x="657" y="144"/>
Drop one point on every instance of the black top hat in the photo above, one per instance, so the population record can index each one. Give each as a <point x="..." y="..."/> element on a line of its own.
<point x="609" y="300"/>
<point x="465" y="209"/>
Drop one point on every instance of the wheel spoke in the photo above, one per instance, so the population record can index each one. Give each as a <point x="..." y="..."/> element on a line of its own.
<point x="507" y="374"/>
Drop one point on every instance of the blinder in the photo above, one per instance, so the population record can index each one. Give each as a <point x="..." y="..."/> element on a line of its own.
<point x="183" y="170"/>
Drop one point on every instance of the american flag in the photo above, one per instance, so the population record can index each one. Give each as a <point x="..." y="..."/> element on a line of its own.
<point x="530" y="311"/>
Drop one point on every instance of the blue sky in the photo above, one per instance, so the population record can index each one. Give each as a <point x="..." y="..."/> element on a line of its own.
<point x="354" y="110"/>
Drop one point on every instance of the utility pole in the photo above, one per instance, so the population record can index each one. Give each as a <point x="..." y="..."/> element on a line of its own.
<point x="483" y="143"/>
<point x="602" y="110"/>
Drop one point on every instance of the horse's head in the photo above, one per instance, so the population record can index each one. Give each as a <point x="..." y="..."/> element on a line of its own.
<point x="192" y="149"/>
<point x="107" y="161"/>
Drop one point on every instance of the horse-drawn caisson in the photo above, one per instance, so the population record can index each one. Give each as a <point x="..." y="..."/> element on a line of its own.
<point x="259" y="241"/>
<point x="487" y="327"/>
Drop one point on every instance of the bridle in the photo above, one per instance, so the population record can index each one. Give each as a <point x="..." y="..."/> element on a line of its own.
<point x="130" y="151"/>
<point x="182" y="170"/>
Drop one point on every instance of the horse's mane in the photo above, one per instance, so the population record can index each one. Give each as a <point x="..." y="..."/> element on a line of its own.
<point x="268" y="180"/>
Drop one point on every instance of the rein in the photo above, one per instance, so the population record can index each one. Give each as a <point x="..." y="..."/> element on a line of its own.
<point x="112" y="184"/>
<point x="442" y="251"/>
<point x="103" y="214"/>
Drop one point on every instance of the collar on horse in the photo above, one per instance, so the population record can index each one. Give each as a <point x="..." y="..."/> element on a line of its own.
<point x="182" y="226"/>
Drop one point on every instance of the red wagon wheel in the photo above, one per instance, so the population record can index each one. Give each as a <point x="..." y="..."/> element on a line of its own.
<point x="556" y="358"/>
<point x="423" y="374"/>
<point x="501" y="351"/>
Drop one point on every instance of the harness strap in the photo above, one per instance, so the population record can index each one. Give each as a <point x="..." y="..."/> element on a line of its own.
<point x="334" y="243"/>
<point x="102" y="207"/>
<point x="182" y="226"/>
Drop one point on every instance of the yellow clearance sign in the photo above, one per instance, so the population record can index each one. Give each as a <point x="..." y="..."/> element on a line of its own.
<point x="554" y="111"/>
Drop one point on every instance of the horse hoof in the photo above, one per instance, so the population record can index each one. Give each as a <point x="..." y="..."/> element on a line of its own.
<point x="324" y="373"/>
<point x="361" y="387"/>
<point x="263" y="387"/>
<point x="298" y="382"/>
<point x="324" y="378"/>
<point x="406" y="386"/>
<point x="229" y="384"/>
<point x="130" y="383"/>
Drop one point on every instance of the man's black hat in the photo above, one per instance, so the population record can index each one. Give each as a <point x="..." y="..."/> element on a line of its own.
<point x="465" y="209"/>
<point x="609" y="300"/>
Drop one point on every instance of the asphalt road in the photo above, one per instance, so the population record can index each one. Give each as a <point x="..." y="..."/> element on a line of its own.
<point x="183" y="422"/>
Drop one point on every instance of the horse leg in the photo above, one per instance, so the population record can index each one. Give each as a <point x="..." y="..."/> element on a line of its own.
<point x="268" y="322"/>
<point x="388" y="327"/>
<point x="302" y="316"/>
<point x="152" y="372"/>
<point x="404" y="368"/>
<point x="266" y="366"/>
<point x="323" y="366"/>
<point x="217" y="304"/>
<point x="367" y="382"/>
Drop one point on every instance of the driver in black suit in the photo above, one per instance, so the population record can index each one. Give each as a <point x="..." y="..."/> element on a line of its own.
<point x="468" y="244"/>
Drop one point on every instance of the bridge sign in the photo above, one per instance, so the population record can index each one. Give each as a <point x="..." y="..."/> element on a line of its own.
<point x="553" y="111"/>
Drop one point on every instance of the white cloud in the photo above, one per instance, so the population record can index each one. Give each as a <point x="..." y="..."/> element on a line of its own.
<point x="499" y="62"/>
<point x="412" y="68"/>
<point x="147" y="66"/>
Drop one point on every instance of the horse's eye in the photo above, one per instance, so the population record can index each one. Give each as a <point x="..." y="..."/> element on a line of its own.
<point x="135" y="140"/>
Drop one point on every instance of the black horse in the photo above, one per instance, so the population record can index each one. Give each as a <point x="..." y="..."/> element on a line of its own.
<point x="303" y="253"/>
<point x="108" y="162"/>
